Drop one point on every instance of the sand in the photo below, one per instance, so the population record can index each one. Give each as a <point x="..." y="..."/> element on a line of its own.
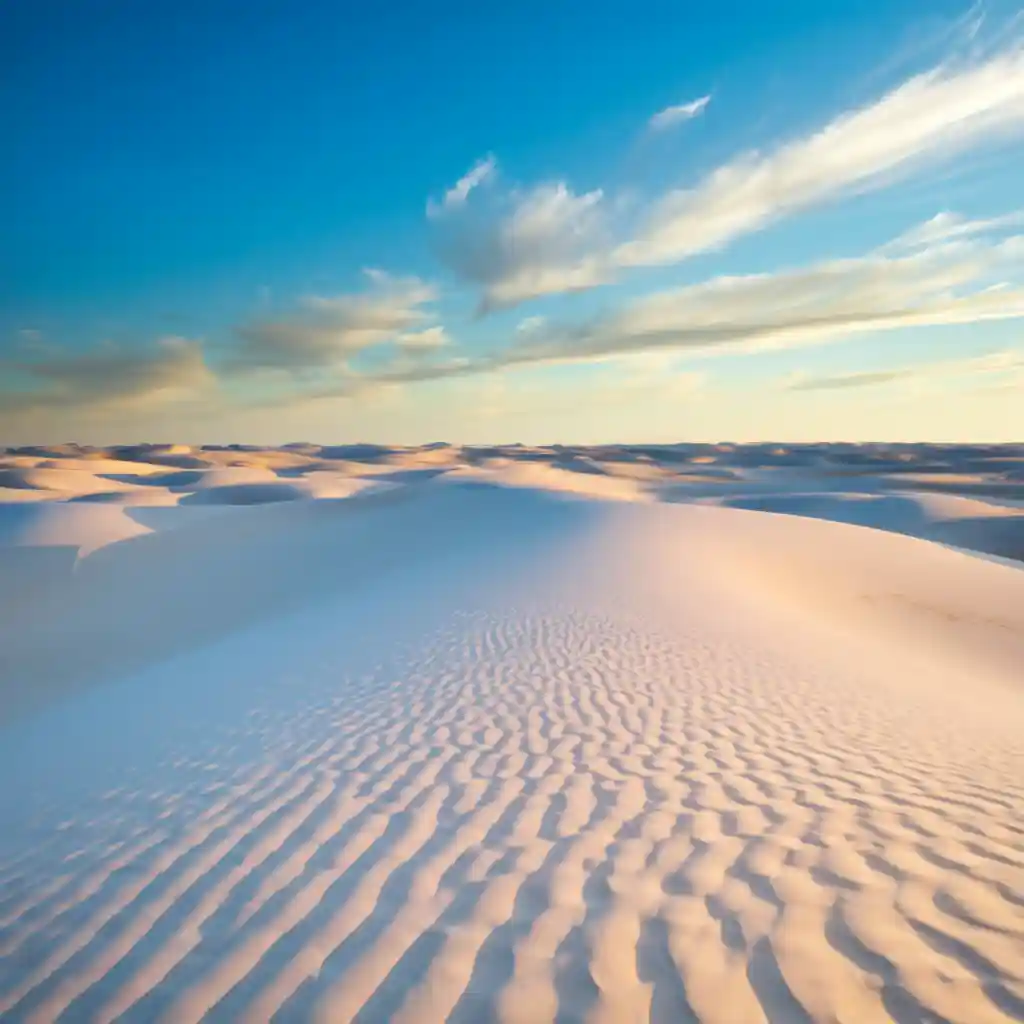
<point x="489" y="745"/>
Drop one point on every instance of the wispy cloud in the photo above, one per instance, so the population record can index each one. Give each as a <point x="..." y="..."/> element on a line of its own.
<point x="930" y="117"/>
<point x="326" y="331"/>
<point x="948" y="226"/>
<point x="530" y="323"/>
<point x="801" y="306"/>
<point x="538" y="242"/>
<point x="671" y="116"/>
<point x="1002" y="365"/>
<point x="429" y="339"/>
<point x="106" y="378"/>
<point x="457" y="195"/>
<point x="842" y="381"/>
<point x="797" y="307"/>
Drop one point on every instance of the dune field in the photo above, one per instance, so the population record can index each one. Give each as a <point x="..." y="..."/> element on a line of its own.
<point x="674" y="734"/>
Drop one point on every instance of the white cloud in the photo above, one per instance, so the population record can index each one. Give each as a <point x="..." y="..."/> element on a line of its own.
<point x="457" y="195"/>
<point x="426" y="340"/>
<point x="547" y="227"/>
<point x="107" y="378"/>
<point x="947" y="226"/>
<point x="944" y="285"/>
<point x="664" y="331"/>
<point x="530" y="323"/>
<point x="539" y="242"/>
<point x="671" y="116"/>
<point x="928" y="118"/>
<point x="843" y="381"/>
<point x="1002" y="365"/>
<point x="328" y="330"/>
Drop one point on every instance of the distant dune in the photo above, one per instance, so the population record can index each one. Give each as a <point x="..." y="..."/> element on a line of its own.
<point x="682" y="734"/>
<point x="962" y="495"/>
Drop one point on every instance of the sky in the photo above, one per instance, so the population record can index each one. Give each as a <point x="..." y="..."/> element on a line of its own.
<point x="577" y="223"/>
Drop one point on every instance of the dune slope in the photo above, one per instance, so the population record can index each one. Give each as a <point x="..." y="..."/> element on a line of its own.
<point x="482" y="753"/>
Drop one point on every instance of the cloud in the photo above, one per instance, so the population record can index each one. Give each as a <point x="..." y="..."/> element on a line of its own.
<point x="326" y="331"/>
<point x="1009" y="376"/>
<point x="1003" y="364"/>
<point x="429" y="339"/>
<point x="848" y="380"/>
<point x="530" y="323"/>
<point x="107" y="378"/>
<point x="671" y="116"/>
<point x="457" y="195"/>
<point x="800" y="306"/>
<point x="663" y="332"/>
<point x="537" y="242"/>
<point x="947" y="226"/>
<point x="928" y="118"/>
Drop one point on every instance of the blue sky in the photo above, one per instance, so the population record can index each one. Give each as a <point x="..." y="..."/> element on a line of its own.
<point x="572" y="222"/>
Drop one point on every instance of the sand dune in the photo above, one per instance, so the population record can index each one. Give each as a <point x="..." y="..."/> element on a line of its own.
<point x="85" y="528"/>
<point x="950" y="519"/>
<point x="553" y="478"/>
<point x="62" y="482"/>
<point x="471" y="750"/>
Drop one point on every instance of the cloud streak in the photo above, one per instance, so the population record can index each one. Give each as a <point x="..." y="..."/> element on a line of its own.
<point x="948" y="226"/>
<point x="672" y="116"/>
<point x="456" y="196"/>
<point x="326" y="331"/>
<point x="844" y="381"/>
<point x="798" y="307"/>
<point x="1004" y="365"/>
<point x="107" y="378"/>
<point x="428" y="340"/>
<point x="926" y="119"/>
<point x="801" y="306"/>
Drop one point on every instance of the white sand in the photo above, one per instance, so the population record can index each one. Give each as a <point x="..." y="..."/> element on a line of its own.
<point x="463" y="752"/>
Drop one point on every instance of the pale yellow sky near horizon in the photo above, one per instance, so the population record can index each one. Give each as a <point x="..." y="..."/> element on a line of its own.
<point x="629" y="399"/>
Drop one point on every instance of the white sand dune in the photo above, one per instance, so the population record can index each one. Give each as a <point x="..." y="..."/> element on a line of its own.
<point x="64" y="482"/>
<point x="466" y="752"/>
<point x="969" y="523"/>
<point x="553" y="478"/>
<point x="43" y="544"/>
